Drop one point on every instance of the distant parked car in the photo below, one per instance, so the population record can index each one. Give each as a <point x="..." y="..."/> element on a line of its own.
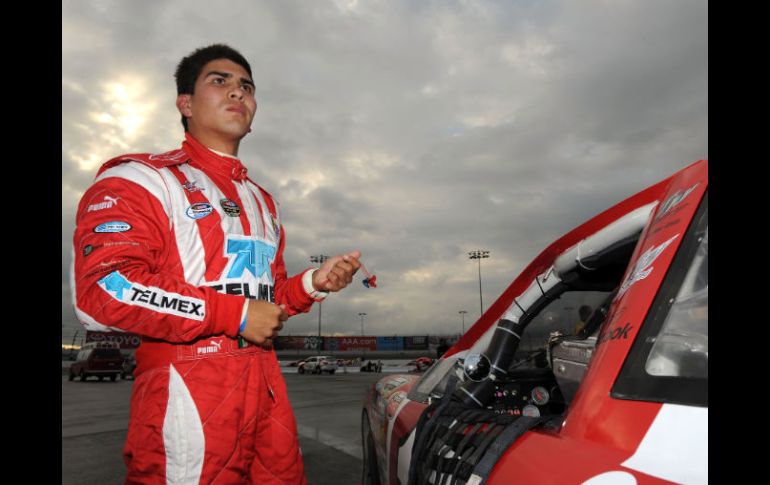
<point x="318" y="364"/>
<point x="129" y="364"/>
<point x="100" y="359"/>
<point x="296" y="363"/>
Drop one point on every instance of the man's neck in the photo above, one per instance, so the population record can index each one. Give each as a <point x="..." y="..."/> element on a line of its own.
<point x="217" y="144"/>
<point x="222" y="154"/>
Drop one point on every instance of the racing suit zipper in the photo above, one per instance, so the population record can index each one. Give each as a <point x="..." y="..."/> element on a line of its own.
<point x="249" y="199"/>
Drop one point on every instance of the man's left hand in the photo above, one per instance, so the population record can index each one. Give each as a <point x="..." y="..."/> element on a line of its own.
<point x="337" y="272"/>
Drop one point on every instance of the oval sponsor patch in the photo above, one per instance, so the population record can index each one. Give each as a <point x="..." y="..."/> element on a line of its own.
<point x="231" y="208"/>
<point x="199" y="210"/>
<point x="114" y="226"/>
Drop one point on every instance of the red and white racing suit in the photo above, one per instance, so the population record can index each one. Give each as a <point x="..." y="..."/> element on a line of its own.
<point x="169" y="247"/>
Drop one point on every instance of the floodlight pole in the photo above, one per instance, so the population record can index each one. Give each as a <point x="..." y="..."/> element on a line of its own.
<point x="479" y="254"/>
<point x="463" y="312"/>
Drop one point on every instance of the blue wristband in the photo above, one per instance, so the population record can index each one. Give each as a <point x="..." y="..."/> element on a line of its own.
<point x="243" y="324"/>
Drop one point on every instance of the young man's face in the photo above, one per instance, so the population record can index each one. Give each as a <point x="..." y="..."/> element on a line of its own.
<point x="223" y="104"/>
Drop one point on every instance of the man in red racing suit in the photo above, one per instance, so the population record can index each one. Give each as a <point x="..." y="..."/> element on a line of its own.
<point x="185" y="250"/>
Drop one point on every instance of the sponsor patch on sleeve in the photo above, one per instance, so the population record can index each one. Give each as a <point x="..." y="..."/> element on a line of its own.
<point x="152" y="298"/>
<point x="113" y="226"/>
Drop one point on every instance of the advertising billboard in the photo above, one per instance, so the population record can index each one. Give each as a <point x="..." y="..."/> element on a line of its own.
<point x="127" y="341"/>
<point x="416" y="343"/>
<point x="390" y="343"/>
<point x="350" y="343"/>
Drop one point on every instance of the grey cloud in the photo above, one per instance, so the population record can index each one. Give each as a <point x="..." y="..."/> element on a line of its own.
<point x="416" y="131"/>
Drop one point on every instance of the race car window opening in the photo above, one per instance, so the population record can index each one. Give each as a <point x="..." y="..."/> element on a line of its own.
<point x="587" y="287"/>
<point x="434" y="385"/>
<point x="669" y="359"/>
<point x="561" y="315"/>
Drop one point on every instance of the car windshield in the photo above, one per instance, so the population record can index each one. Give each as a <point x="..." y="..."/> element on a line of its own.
<point x="668" y="362"/>
<point x="682" y="346"/>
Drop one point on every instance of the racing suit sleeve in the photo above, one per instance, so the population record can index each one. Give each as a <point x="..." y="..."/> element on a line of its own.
<point x="127" y="273"/>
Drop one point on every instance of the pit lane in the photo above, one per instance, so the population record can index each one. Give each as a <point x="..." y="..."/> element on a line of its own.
<point x="327" y="407"/>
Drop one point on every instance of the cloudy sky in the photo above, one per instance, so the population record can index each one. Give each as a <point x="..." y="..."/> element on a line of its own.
<point x="415" y="131"/>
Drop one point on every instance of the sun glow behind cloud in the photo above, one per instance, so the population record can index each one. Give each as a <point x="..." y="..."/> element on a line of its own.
<point x="125" y="102"/>
<point x="117" y="119"/>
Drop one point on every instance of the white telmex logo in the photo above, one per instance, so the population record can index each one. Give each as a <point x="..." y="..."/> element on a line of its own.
<point x="107" y="204"/>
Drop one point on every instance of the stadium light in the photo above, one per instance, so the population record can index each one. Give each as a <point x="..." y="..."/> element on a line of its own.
<point x="479" y="254"/>
<point x="362" y="315"/>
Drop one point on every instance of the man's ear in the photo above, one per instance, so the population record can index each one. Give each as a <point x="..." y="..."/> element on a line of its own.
<point x="183" y="105"/>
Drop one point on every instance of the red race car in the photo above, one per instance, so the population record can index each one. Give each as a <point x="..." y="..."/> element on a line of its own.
<point x="591" y="367"/>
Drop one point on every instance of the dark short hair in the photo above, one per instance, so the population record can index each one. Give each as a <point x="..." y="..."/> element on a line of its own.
<point x="190" y="67"/>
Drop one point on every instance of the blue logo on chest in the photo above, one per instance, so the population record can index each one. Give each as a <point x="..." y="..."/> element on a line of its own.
<point x="250" y="255"/>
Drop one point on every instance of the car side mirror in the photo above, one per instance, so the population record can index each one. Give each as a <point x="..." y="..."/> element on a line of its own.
<point x="476" y="367"/>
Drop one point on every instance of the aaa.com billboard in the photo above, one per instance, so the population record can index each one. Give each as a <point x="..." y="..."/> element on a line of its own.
<point x="350" y="343"/>
<point x="127" y="341"/>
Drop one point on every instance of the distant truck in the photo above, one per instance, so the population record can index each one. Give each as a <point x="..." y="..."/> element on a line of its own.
<point x="99" y="359"/>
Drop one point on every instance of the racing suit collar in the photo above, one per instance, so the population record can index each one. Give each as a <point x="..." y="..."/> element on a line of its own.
<point x="225" y="165"/>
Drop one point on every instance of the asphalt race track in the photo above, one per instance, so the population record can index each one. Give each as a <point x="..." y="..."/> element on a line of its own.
<point x="327" y="407"/>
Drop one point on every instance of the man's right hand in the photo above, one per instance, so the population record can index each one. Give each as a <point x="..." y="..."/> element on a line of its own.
<point x="263" y="321"/>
